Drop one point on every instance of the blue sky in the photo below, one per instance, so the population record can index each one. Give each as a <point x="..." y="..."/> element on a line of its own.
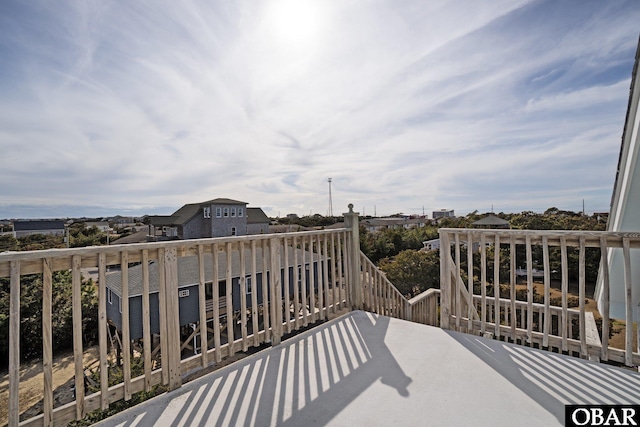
<point x="140" y="107"/>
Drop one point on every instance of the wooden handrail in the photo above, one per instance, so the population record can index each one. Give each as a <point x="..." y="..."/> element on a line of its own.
<point x="325" y="282"/>
<point x="503" y="319"/>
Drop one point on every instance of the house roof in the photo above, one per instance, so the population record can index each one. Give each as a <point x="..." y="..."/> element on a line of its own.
<point x="188" y="271"/>
<point x="491" y="220"/>
<point x="257" y="216"/>
<point x="38" y="225"/>
<point x="185" y="213"/>
<point x="223" y="201"/>
<point x="137" y="237"/>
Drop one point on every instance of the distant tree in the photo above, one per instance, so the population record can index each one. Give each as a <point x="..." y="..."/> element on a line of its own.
<point x="413" y="272"/>
<point x="61" y="315"/>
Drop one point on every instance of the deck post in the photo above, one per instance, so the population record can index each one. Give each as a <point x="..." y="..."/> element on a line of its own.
<point x="276" y="292"/>
<point x="445" y="281"/>
<point x="173" y="322"/>
<point x="351" y="221"/>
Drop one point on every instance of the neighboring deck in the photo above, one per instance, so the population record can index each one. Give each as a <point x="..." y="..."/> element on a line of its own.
<point x="367" y="369"/>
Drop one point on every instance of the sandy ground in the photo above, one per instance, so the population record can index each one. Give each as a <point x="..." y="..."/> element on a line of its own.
<point x="32" y="380"/>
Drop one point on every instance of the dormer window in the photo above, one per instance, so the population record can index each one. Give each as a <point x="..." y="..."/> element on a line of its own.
<point x="207" y="212"/>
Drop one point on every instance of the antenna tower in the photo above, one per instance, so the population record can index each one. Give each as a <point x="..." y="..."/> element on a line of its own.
<point x="330" y="201"/>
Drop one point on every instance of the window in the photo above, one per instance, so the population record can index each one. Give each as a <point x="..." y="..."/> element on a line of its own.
<point x="120" y="305"/>
<point x="248" y="285"/>
<point x="207" y="212"/>
<point x="226" y="212"/>
<point x="233" y="231"/>
<point x="109" y="297"/>
<point x="233" y="212"/>
<point x="218" y="212"/>
<point x="240" y="213"/>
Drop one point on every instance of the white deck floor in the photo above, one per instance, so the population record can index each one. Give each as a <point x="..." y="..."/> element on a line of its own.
<point x="367" y="370"/>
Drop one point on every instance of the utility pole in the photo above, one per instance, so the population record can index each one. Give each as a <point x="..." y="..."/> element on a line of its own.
<point x="330" y="201"/>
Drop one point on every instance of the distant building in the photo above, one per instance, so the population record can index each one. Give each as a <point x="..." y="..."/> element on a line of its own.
<point x="257" y="221"/>
<point x="379" y="224"/>
<point x="100" y="225"/>
<point x="443" y="213"/>
<point x="213" y="218"/>
<point x="23" y="228"/>
<point x="431" y="245"/>
<point x="491" y="221"/>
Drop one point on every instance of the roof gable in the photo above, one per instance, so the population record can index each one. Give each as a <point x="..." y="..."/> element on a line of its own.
<point x="223" y="201"/>
<point x="257" y="216"/>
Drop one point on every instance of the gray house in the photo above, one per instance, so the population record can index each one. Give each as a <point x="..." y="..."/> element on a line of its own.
<point x="23" y="228"/>
<point x="188" y="288"/>
<point x="213" y="218"/>
<point x="257" y="221"/>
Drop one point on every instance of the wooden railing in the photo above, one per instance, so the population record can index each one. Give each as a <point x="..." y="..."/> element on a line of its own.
<point x="424" y="308"/>
<point x="248" y="291"/>
<point x="503" y="315"/>
<point x="252" y="290"/>
<point x="380" y="296"/>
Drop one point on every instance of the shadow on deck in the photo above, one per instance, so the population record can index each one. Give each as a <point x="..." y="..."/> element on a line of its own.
<point x="366" y="369"/>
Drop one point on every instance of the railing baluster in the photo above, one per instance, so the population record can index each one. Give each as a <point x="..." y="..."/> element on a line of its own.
<point x="126" y="341"/>
<point x="325" y="275"/>
<point x="215" y="291"/>
<point x="547" y="292"/>
<point x="512" y="286"/>
<point x="581" y="296"/>
<point x="146" y="320"/>
<point x="496" y="285"/>
<point x="276" y="291"/>
<point x="102" y="331"/>
<point x="265" y="292"/>
<point x="47" y="333"/>
<point x="296" y="282"/>
<point x="529" y="255"/>
<point x="76" y="303"/>
<point x="604" y="268"/>
<point x="229" y="301"/>
<point x="173" y="323"/>
<point x="565" y="291"/>
<point x="456" y="287"/>
<point x="339" y="248"/>
<point x="303" y="280"/>
<point x="628" y="278"/>
<point x="164" y="325"/>
<point x="202" y="304"/>
<point x="470" y="306"/>
<point x="14" y="344"/>
<point x="312" y="281"/>
<point x="287" y="285"/>
<point x="483" y="282"/>
<point x="445" y="281"/>
<point x="254" y="298"/>
<point x="243" y="296"/>
<point x="334" y="277"/>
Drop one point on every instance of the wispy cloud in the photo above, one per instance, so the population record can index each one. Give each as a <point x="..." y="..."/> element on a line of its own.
<point x="458" y="104"/>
